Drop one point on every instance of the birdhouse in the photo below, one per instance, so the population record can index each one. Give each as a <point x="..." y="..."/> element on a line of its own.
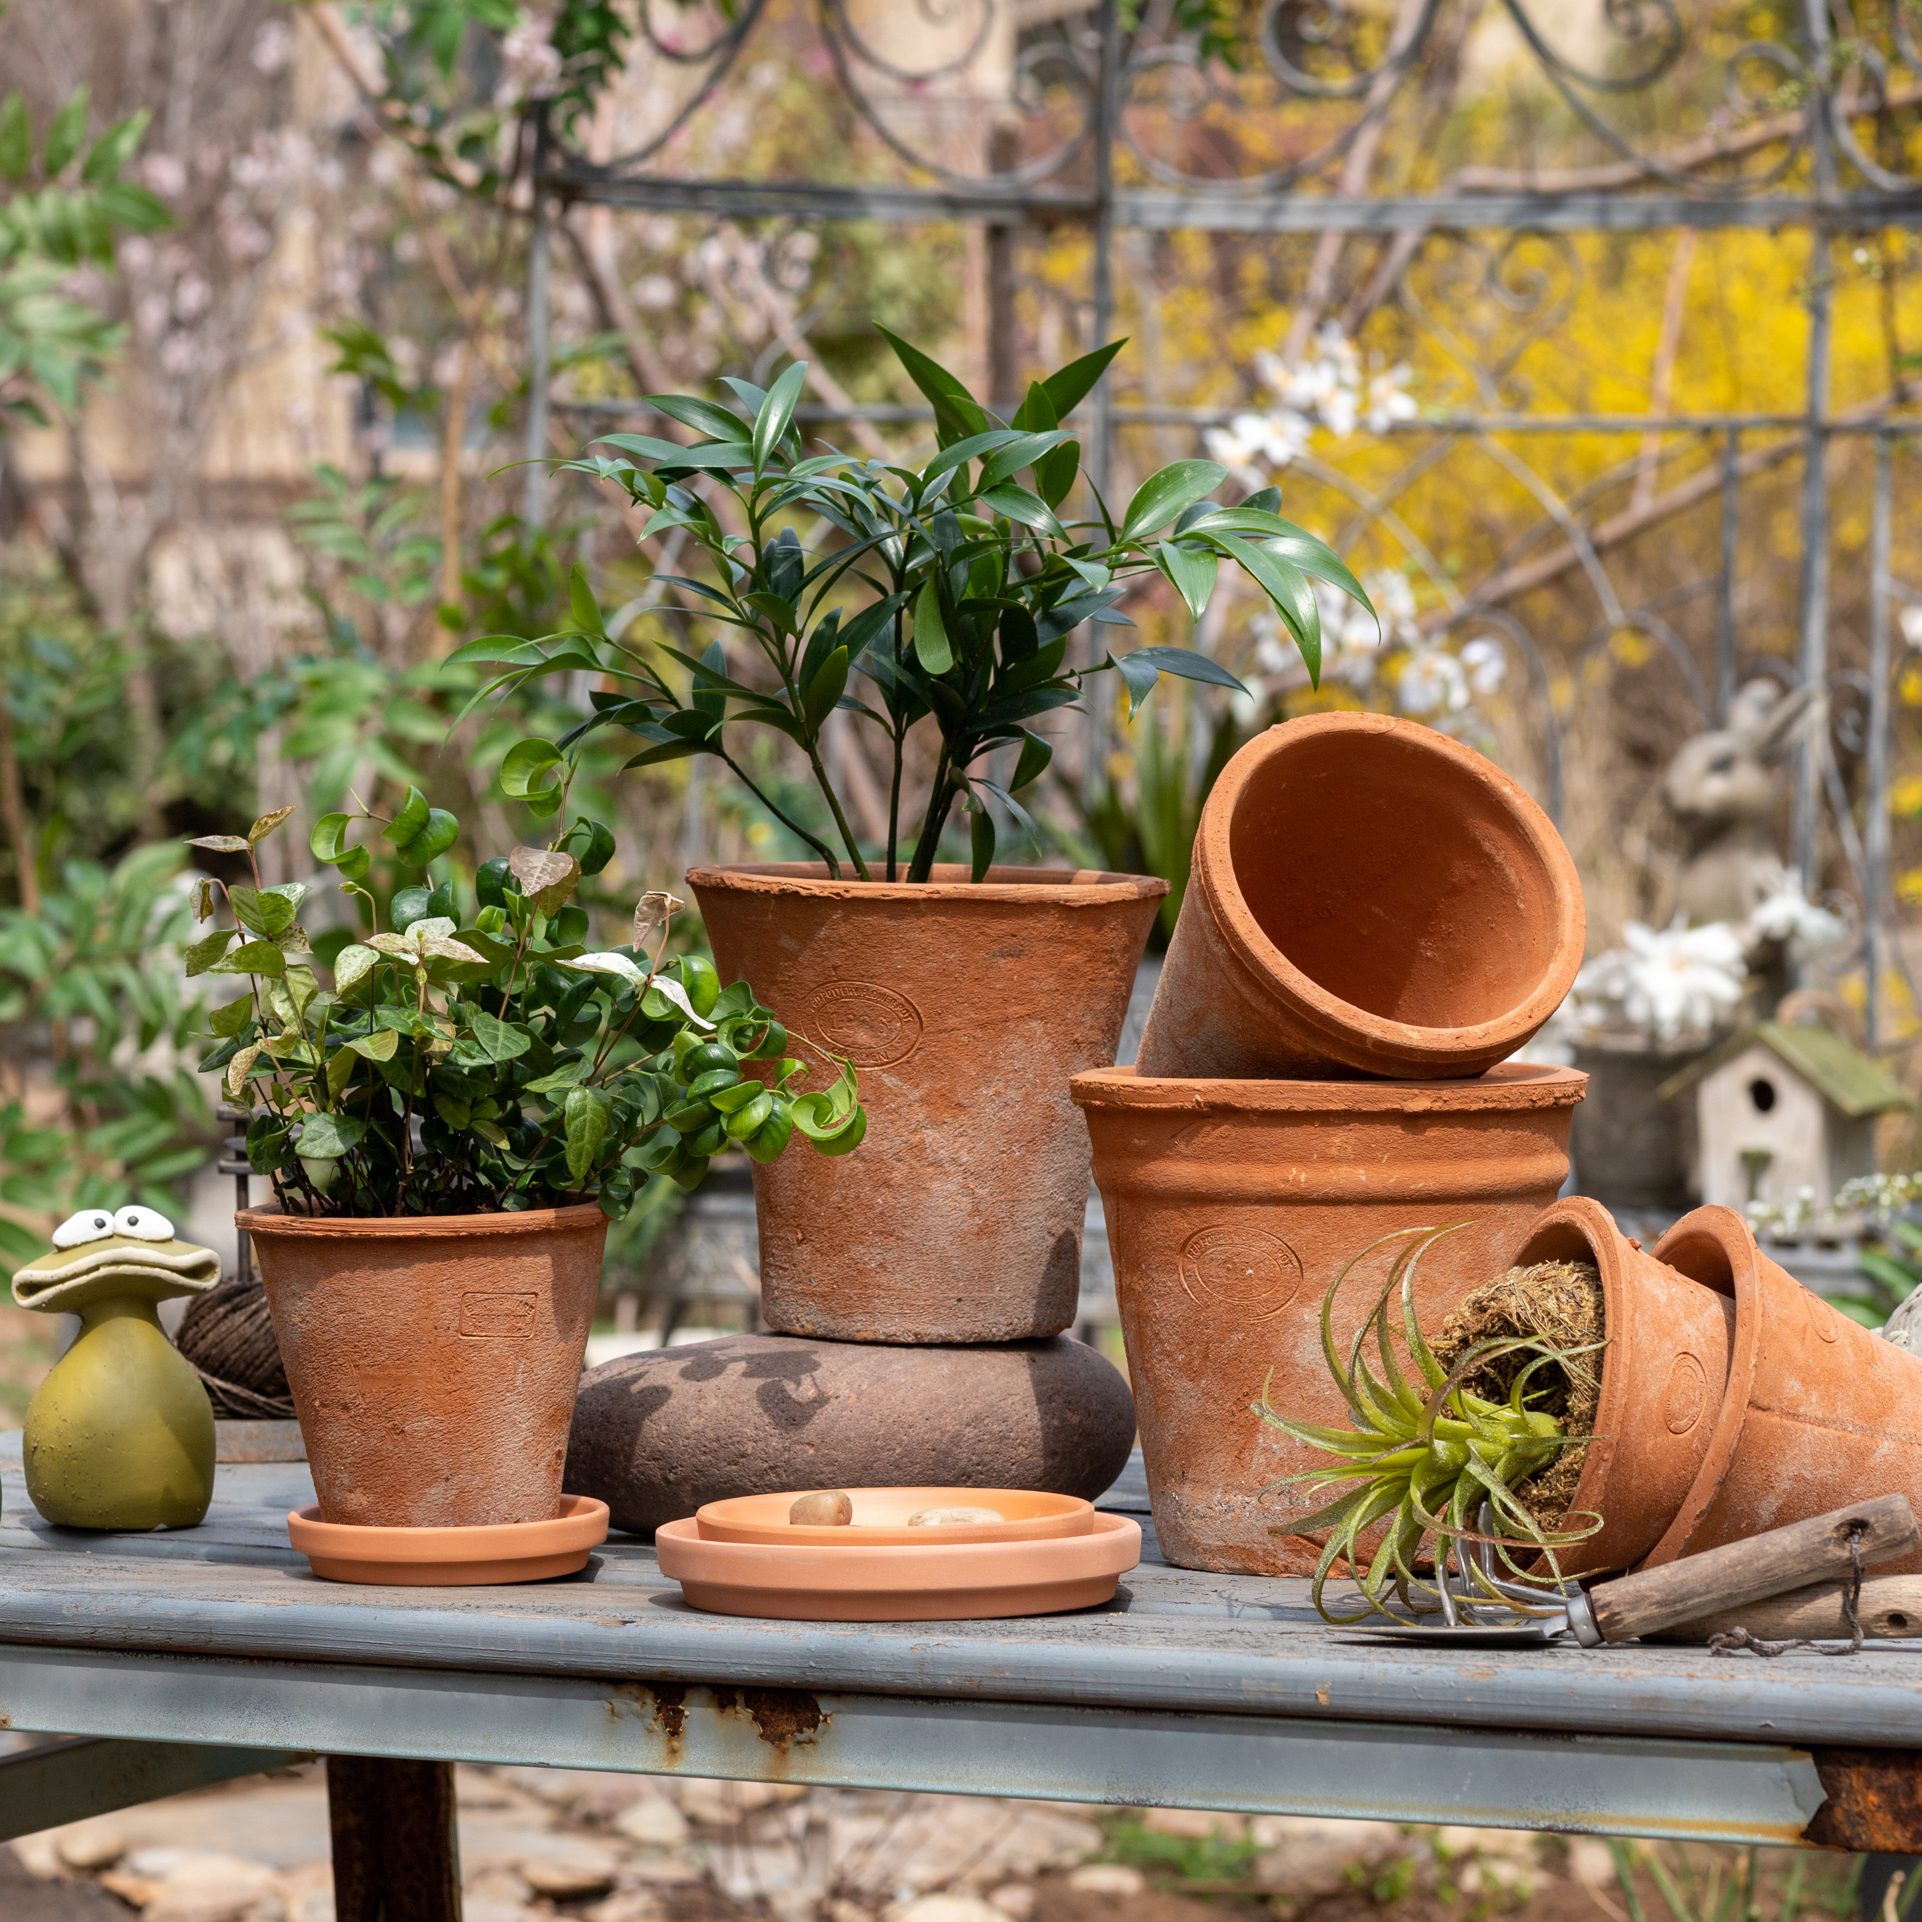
<point x="1781" y="1109"/>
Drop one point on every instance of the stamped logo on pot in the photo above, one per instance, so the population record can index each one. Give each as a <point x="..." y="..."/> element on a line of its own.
<point x="497" y="1317"/>
<point x="1687" y="1394"/>
<point x="1247" y="1267"/>
<point x="873" y="1026"/>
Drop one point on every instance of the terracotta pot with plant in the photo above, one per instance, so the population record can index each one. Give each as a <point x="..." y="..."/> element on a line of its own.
<point x="934" y="606"/>
<point x="1557" y="1418"/>
<point x="1231" y="1205"/>
<point x="449" y="1124"/>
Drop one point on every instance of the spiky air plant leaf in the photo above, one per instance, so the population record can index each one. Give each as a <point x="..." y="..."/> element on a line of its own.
<point x="1437" y="1462"/>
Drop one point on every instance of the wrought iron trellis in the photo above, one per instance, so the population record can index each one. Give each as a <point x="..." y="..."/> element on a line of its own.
<point x="1016" y="112"/>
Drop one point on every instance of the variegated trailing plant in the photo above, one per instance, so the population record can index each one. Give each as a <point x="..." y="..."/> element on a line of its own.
<point x="951" y="589"/>
<point x="471" y="1058"/>
<point x="1433" y="1462"/>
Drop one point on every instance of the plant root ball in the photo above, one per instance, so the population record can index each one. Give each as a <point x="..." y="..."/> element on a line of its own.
<point x="1557" y="1302"/>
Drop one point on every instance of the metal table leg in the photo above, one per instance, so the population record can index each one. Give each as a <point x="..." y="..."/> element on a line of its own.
<point x="396" y="1853"/>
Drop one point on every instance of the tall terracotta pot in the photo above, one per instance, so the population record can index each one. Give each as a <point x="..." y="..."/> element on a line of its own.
<point x="1819" y="1410"/>
<point x="433" y="1359"/>
<point x="1368" y="897"/>
<point x="1663" y="1372"/>
<point x="966" y="1009"/>
<point x="1233" y="1204"/>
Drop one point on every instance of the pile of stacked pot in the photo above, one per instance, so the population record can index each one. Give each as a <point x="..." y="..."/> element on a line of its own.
<point x="916" y="1290"/>
<point x="1377" y="920"/>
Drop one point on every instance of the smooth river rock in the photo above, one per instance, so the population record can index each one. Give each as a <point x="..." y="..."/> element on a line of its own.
<point x="659" y="1433"/>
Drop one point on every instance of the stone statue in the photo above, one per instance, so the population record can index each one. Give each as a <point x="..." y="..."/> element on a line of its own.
<point x="1721" y="789"/>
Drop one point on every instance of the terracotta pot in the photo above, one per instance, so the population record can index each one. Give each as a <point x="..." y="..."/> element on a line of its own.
<point x="1819" y="1410"/>
<point x="433" y="1359"/>
<point x="1662" y="1381"/>
<point x="1232" y="1205"/>
<point x="1368" y="897"/>
<point x="966" y="1009"/>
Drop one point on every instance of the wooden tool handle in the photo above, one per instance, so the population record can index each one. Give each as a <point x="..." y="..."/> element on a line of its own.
<point x="1723" y="1578"/>
<point x="1891" y="1605"/>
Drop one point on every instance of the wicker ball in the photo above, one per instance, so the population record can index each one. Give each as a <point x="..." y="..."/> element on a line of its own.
<point x="228" y="1335"/>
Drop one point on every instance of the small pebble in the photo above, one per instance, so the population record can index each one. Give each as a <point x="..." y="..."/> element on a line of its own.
<point x="952" y="1517"/>
<point x="826" y="1508"/>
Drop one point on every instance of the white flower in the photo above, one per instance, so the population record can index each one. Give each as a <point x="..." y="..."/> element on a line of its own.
<point x="1432" y="679"/>
<point x="1387" y="400"/>
<point x="1805" y="927"/>
<point x="1486" y="663"/>
<point x="1675" y="982"/>
<point x="1909" y="620"/>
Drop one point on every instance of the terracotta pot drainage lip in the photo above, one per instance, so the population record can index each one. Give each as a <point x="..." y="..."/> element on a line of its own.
<point x="451" y="1557"/>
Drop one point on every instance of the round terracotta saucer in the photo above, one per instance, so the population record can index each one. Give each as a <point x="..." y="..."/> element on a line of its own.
<point x="451" y="1557"/>
<point x="881" y="1518"/>
<point x="949" y="1582"/>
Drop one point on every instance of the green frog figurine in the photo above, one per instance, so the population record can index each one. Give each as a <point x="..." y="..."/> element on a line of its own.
<point x="121" y="1434"/>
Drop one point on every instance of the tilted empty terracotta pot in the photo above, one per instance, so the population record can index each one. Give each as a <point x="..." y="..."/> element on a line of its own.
<point x="1233" y="1204"/>
<point x="1368" y="897"/>
<point x="1819" y="1411"/>
<point x="1663" y="1372"/>
<point x="966" y="1008"/>
<point x="433" y="1358"/>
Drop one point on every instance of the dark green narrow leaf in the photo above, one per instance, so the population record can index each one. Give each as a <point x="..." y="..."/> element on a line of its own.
<point x="932" y="647"/>
<point x="981" y="843"/>
<point x="1164" y="494"/>
<point x="1192" y="571"/>
<point x="1068" y="386"/>
<point x="777" y="412"/>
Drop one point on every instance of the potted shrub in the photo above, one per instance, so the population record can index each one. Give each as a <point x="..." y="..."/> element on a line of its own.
<point x="449" y="1125"/>
<point x="936" y="605"/>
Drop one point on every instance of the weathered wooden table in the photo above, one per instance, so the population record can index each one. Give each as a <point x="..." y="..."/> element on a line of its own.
<point x="182" y="1660"/>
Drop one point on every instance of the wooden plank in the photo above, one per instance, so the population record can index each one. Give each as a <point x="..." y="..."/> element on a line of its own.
<point x="396" y="1852"/>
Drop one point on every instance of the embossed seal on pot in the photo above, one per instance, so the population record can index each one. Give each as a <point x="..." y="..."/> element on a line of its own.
<point x="873" y="1026"/>
<point x="1687" y="1394"/>
<point x="1247" y="1267"/>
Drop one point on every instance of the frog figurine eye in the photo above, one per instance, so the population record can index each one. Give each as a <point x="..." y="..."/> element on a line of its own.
<point x="143" y="1224"/>
<point x="90" y="1224"/>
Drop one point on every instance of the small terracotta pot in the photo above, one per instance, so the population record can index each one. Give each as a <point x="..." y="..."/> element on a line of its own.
<point x="1233" y="1204"/>
<point x="1819" y="1410"/>
<point x="1367" y="897"/>
<point x="965" y="1008"/>
<point x="1663" y="1372"/>
<point x="433" y="1358"/>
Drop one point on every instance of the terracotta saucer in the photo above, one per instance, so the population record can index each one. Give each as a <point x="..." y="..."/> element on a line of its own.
<point x="451" y="1557"/>
<point x="881" y="1517"/>
<point x="956" y="1581"/>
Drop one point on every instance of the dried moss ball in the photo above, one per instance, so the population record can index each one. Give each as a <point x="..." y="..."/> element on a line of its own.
<point x="825" y="1508"/>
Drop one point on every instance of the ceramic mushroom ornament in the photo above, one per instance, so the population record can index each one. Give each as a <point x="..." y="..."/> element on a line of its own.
<point x="120" y="1434"/>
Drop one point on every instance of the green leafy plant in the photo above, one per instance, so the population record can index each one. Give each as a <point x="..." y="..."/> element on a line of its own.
<point x="60" y="208"/>
<point x="467" y="1063"/>
<point x="1428" y="1456"/>
<point x="93" y="1011"/>
<point x="952" y="589"/>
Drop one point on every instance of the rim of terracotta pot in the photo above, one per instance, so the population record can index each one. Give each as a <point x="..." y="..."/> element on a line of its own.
<point x="1245" y="936"/>
<point x="1717" y="1248"/>
<point x="275" y="1220"/>
<point x="1508" y="1085"/>
<point x="1070" y="887"/>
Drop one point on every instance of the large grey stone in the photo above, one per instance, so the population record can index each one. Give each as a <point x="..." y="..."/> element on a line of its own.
<point x="657" y="1434"/>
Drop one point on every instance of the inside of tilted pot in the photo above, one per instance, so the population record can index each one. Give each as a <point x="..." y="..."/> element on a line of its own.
<point x="1420" y="896"/>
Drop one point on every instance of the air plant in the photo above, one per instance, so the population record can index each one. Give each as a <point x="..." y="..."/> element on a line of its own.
<point x="1430" y="1457"/>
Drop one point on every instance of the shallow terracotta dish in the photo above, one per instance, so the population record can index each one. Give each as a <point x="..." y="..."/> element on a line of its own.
<point x="881" y="1518"/>
<point x="953" y="1583"/>
<point x="451" y="1557"/>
